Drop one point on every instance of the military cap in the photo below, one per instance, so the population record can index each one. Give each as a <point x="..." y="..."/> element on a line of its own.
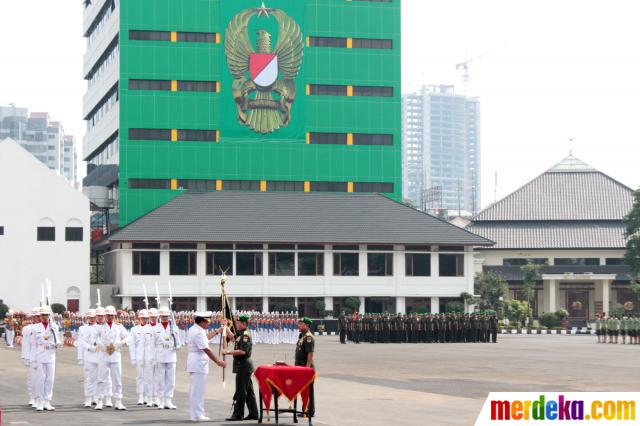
<point x="306" y="320"/>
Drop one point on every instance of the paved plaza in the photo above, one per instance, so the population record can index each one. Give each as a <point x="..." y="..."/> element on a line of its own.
<point x="373" y="384"/>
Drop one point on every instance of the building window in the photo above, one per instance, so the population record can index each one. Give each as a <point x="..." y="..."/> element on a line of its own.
<point x="523" y="261"/>
<point x="310" y="264"/>
<point x="192" y="37"/>
<point x="372" y="187"/>
<point x="150" y="35"/>
<point x="346" y="264"/>
<point x="197" y="135"/>
<point x="328" y="186"/>
<point x="1" y="230"/>
<point x="327" y="90"/>
<point x="150" y="183"/>
<point x="610" y="261"/>
<point x="328" y="138"/>
<point x="372" y="139"/>
<point x="197" y="184"/>
<point x="150" y="134"/>
<point x="328" y="42"/>
<point x="241" y="185"/>
<point x="195" y="37"/>
<point x="73" y="233"/>
<point x="146" y="263"/>
<point x="372" y="91"/>
<point x="282" y="264"/>
<point x="283" y="185"/>
<point x="46" y="233"/>
<point x="219" y="261"/>
<point x="380" y="264"/>
<point x="451" y="265"/>
<point x="372" y="43"/>
<point x="576" y="261"/>
<point x="248" y="263"/>
<point x="182" y="263"/>
<point x="137" y="84"/>
<point x="197" y="86"/>
<point x="417" y="264"/>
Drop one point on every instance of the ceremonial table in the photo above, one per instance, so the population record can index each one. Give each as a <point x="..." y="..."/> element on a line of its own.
<point x="288" y="381"/>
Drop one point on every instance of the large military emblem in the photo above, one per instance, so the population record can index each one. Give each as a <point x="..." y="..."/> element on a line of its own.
<point x="263" y="87"/>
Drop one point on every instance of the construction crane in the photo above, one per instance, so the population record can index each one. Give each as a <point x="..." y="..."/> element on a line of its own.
<point x="464" y="68"/>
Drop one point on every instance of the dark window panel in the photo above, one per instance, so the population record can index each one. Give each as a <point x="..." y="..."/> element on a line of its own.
<point x="310" y="247"/>
<point x="328" y="138"/>
<point x="146" y="263"/>
<point x="379" y="248"/>
<point x="577" y="261"/>
<point x="196" y="135"/>
<point x="241" y="185"/>
<point x="310" y="264"/>
<point x="217" y="246"/>
<point x="183" y="246"/>
<point x="372" y="91"/>
<point x="146" y="245"/>
<point x="196" y="37"/>
<point x="73" y="233"/>
<point x="150" y="134"/>
<point x="138" y="84"/>
<point x="149" y="35"/>
<point x="46" y="233"/>
<point x="345" y="247"/>
<point x="327" y="41"/>
<point x="182" y="263"/>
<point x="450" y="248"/>
<point x="150" y="183"/>
<point x="610" y="261"/>
<point x="1" y="230"/>
<point x="346" y="264"/>
<point x="278" y="185"/>
<point x="417" y="248"/>
<point x="371" y="43"/>
<point x="372" y="139"/>
<point x="281" y="246"/>
<point x="248" y="246"/>
<point x="248" y="263"/>
<point x="451" y="265"/>
<point x="379" y="264"/>
<point x="220" y="261"/>
<point x="372" y="187"/>
<point x="197" y="184"/>
<point x="196" y="86"/>
<point x="328" y="186"/>
<point x="327" y="90"/>
<point x="417" y="265"/>
<point x="281" y="264"/>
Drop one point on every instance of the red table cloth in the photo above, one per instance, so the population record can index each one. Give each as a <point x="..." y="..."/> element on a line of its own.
<point x="288" y="380"/>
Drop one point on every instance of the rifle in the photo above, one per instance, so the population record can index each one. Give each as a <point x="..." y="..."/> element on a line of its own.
<point x="51" y="319"/>
<point x="99" y="304"/>
<point x="226" y="315"/>
<point x="146" y="299"/>
<point x="157" y="296"/>
<point x="173" y="318"/>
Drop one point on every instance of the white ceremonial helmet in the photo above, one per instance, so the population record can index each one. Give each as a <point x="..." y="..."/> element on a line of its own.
<point x="164" y="311"/>
<point x="110" y="310"/>
<point x="45" y="310"/>
<point x="143" y="313"/>
<point x="91" y="313"/>
<point x="100" y="311"/>
<point x="153" y="312"/>
<point x="35" y="311"/>
<point x="10" y="312"/>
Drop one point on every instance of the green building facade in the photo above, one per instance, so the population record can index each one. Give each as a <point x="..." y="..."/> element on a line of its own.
<point x="193" y="116"/>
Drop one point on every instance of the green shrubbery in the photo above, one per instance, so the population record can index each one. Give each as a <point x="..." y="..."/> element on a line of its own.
<point x="553" y="319"/>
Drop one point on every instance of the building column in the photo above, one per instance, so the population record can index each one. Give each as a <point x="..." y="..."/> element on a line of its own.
<point x="328" y="305"/>
<point x="435" y="305"/>
<point x="401" y="305"/>
<point x="126" y="302"/>
<point x="201" y="303"/>
<point x="361" y="310"/>
<point x="233" y="304"/>
<point x="265" y="304"/>
<point x="553" y="305"/>
<point x="606" y="286"/>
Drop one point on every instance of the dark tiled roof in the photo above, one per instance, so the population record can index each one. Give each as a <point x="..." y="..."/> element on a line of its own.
<point x="565" y="192"/>
<point x="292" y="217"/>
<point x="552" y="235"/>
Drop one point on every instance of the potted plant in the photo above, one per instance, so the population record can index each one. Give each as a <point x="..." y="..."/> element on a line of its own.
<point x="563" y="315"/>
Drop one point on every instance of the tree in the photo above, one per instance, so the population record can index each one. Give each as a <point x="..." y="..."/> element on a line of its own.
<point x="531" y="274"/>
<point x="491" y="287"/>
<point x="352" y="304"/>
<point x="3" y="309"/>
<point x="515" y="310"/>
<point x="632" y="234"/>
<point x="58" y="308"/>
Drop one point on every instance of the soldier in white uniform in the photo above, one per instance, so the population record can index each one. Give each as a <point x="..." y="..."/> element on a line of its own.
<point x="142" y="351"/>
<point x="153" y="325"/>
<point x="111" y="338"/>
<point x="88" y="356"/>
<point x="28" y="354"/>
<point x="9" y="328"/>
<point x="167" y="342"/>
<point x="198" y="364"/>
<point x="47" y="340"/>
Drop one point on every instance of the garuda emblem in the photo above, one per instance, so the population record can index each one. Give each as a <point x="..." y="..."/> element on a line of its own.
<point x="263" y="87"/>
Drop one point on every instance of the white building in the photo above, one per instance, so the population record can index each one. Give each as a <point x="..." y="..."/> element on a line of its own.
<point x="44" y="233"/>
<point x="569" y="221"/>
<point x="294" y="249"/>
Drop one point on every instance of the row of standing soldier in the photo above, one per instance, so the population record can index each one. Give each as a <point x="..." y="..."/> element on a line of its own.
<point x="414" y="328"/>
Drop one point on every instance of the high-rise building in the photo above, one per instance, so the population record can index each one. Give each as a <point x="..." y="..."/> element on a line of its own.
<point x="441" y="150"/>
<point x="43" y="138"/>
<point x="280" y="95"/>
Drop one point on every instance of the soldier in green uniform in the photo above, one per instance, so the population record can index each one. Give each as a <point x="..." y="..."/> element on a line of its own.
<point x="494" y="328"/>
<point x="243" y="368"/>
<point x="306" y="343"/>
<point x="624" y="321"/>
<point x="598" y="328"/>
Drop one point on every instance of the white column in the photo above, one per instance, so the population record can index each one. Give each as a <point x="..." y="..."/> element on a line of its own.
<point x="606" y="285"/>
<point x="233" y="304"/>
<point x="201" y="303"/>
<point x="126" y="302"/>
<point x="362" y="261"/>
<point x="435" y="305"/>
<point x="435" y="264"/>
<point x="265" y="304"/>
<point x="552" y="296"/>
<point x="401" y="305"/>
<point x="328" y="305"/>
<point x="361" y="310"/>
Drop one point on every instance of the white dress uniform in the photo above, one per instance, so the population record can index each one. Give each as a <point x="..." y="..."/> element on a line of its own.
<point x="142" y="351"/>
<point x="110" y="365"/>
<point x="47" y="341"/>
<point x="25" y="354"/>
<point x="198" y="369"/>
<point x="88" y="352"/>
<point x="155" y="377"/>
<point x="167" y="342"/>
<point x="9" y="331"/>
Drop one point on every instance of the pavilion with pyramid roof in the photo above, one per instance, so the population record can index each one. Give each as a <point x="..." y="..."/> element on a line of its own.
<point x="568" y="219"/>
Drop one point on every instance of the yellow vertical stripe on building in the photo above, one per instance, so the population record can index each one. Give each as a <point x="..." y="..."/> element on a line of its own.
<point x="217" y="38"/>
<point x="349" y="186"/>
<point x="349" y="90"/>
<point x="307" y="186"/>
<point x="349" y="43"/>
<point x="174" y="183"/>
<point x="218" y="185"/>
<point x="174" y="36"/>
<point x="174" y="135"/>
<point x="308" y="89"/>
<point x="174" y="85"/>
<point x="217" y="87"/>
<point x="217" y="135"/>
<point x="263" y="186"/>
<point x="349" y="138"/>
<point x="308" y="138"/>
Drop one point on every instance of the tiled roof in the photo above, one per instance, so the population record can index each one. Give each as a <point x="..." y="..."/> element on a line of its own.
<point x="292" y="217"/>
<point x="552" y="235"/>
<point x="571" y="190"/>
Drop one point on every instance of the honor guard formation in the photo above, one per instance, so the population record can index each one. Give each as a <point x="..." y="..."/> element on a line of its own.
<point x="415" y="328"/>
<point x="153" y="338"/>
<point x="616" y="328"/>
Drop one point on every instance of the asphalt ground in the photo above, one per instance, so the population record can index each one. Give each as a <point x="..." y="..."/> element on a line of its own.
<point x="365" y="384"/>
